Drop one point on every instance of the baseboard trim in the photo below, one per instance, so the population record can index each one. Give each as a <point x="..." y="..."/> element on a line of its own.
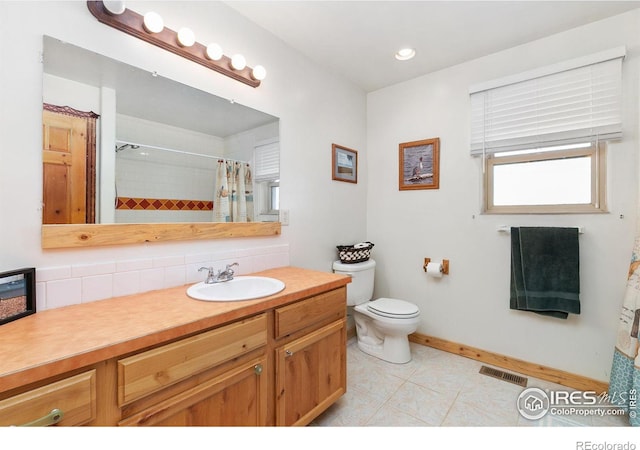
<point x="506" y="362"/>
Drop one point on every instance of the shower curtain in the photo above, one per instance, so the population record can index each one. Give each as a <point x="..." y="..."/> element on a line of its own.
<point x="624" y="382"/>
<point x="233" y="200"/>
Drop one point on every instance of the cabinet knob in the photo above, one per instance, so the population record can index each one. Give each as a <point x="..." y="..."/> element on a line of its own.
<point x="288" y="353"/>
<point x="257" y="369"/>
<point x="52" y="418"/>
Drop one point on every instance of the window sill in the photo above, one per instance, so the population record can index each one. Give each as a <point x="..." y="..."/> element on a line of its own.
<point x="547" y="210"/>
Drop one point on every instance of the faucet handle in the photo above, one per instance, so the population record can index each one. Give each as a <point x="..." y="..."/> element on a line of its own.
<point x="210" y="275"/>
<point x="228" y="269"/>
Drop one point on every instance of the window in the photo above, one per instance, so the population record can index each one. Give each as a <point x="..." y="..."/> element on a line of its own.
<point x="267" y="161"/>
<point x="267" y="179"/>
<point x="274" y="196"/>
<point x="542" y="135"/>
<point x="562" y="179"/>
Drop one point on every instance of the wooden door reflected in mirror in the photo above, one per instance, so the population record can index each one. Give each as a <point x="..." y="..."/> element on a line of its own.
<point x="68" y="162"/>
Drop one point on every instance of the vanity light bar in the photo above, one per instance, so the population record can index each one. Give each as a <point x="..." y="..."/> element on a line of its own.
<point x="132" y="23"/>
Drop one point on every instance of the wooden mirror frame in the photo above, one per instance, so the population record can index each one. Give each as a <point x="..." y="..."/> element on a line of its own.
<point x="74" y="236"/>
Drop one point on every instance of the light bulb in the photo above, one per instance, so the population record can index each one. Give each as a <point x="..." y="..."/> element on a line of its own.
<point x="153" y="22"/>
<point x="186" y="38"/>
<point x="405" y="53"/>
<point x="114" y="7"/>
<point x="259" y="73"/>
<point x="214" y="52"/>
<point x="238" y="62"/>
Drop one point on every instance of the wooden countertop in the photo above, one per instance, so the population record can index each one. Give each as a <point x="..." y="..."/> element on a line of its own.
<point x="55" y="341"/>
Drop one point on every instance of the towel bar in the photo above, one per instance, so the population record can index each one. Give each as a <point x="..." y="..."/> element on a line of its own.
<point x="507" y="229"/>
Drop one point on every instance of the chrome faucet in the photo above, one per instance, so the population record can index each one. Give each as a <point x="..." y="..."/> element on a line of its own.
<point x="221" y="276"/>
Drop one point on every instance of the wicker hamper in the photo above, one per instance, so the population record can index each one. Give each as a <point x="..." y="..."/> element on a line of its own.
<point x="351" y="254"/>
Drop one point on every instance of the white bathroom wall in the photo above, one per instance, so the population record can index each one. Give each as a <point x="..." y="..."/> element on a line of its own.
<point x="63" y="92"/>
<point x="471" y="305"/>
<point x="240" y="146"/>
<point x="316" y="108"/>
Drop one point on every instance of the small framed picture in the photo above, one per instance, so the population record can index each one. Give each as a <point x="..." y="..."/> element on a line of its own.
<point x="419" y="166"/>
<point x="17" y="294"/>
<point x="345" y="164"/>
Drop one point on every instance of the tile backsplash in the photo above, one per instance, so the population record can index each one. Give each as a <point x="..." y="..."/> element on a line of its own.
<point x="83" y="283"/>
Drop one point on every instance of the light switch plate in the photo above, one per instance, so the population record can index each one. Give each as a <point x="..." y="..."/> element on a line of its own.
<point x="284" y="217"/>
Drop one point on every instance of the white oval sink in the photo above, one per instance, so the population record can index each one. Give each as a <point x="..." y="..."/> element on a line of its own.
<point x="240" y="288"/>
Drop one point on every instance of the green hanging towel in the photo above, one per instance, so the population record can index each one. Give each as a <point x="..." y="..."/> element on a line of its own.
<point x="545" y="270"/>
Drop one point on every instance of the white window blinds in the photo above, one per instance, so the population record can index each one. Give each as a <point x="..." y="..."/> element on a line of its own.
<point x="267" y="162"/>
<point x="564" y="105"/>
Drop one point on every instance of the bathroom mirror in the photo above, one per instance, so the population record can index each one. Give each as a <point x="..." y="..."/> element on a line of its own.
<point x="152" y="156"/>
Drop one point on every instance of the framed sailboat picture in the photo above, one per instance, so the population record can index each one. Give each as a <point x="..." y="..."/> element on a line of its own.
<point x="419" y="165"/>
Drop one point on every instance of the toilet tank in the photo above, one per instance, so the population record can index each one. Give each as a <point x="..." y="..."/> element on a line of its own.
<point x="360" y="290"/>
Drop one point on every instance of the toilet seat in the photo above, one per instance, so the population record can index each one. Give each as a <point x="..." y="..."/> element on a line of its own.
<point x="393" y="308"/>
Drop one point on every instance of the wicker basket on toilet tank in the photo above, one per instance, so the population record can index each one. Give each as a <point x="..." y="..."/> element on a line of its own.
<point x="351" y="254"/>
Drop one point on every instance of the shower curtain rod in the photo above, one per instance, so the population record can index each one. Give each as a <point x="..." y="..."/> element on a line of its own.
<point x="164" y="149"/>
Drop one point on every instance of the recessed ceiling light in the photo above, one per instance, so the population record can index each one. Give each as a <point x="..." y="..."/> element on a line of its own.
<point x="405" y="53"/>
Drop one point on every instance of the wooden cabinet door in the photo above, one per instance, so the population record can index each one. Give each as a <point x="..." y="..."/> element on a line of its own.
<point x="64" y="154"/>
<point x="311" y="374"/>
<point x="236" y="398"/>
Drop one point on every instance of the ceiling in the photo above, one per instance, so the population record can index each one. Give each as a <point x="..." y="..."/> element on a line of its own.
<point x="358" y="39"/>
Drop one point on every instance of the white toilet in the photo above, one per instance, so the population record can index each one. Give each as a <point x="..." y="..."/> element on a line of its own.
<point x="382" y="325"/>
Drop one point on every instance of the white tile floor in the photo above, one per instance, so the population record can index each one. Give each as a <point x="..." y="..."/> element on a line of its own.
<point x="437" y="389"/>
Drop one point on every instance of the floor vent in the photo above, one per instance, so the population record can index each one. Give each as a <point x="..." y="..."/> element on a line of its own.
<point x="505" y="376"/>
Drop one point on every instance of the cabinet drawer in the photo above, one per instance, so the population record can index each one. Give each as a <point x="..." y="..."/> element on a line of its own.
<point x="318" y="310"/>
<point x="75" y="397"/>
<point x="150" y="371"/>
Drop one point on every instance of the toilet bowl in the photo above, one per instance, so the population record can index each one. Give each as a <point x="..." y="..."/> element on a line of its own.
<point x="382" y="325"/>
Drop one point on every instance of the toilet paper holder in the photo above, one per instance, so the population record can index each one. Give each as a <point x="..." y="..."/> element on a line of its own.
<point x="444" y="268"/>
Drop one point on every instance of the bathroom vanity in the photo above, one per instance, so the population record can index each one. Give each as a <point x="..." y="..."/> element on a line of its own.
<point x="162" y="358"/>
